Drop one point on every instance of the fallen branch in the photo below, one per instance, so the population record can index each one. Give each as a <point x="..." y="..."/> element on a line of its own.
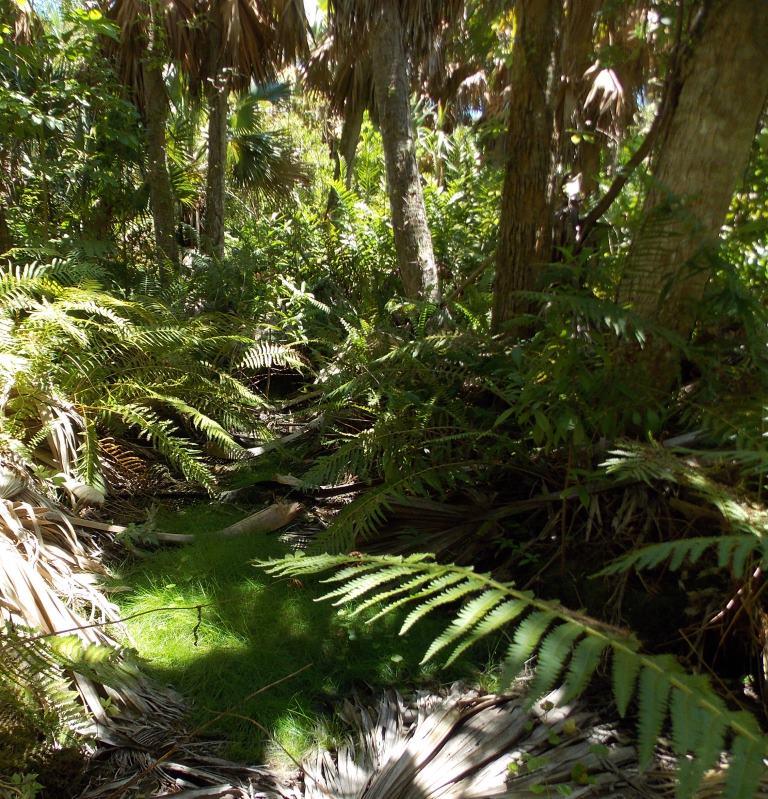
<point x="310" y="427"/>
<point x="267" y="520"/>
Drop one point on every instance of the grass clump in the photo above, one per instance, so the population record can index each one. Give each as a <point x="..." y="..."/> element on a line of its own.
<point x="253" y="631"/>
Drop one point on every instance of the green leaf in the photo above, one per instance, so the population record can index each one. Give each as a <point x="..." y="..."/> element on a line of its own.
<point x="524" y="643"/>
<point x="626" y="665"/>
<point x="653" y="696"/>
<point x="583" y="664"/>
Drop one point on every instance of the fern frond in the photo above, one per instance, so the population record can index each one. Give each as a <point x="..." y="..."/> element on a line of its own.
<point x="732" y="550"/>
<point x="263" y="355"/>
<point x="575" y="644"/>
<point x="180" y="451"/>
<point x="360" y="520"/>
<point x="209" y="427"/>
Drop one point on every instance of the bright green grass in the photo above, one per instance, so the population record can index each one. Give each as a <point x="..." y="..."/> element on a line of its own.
<point x="255" y="631"/>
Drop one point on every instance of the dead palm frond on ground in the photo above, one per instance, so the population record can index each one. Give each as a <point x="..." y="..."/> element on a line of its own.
<point x="461" y="744"/>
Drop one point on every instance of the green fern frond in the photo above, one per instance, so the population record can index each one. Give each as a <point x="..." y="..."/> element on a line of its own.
<point x="566" y="645"/>
<point x="732" y="550"/>
<point x="209" y="427"/>
<point x="264" y="355"/>
<point x="180" y="451"/>
<point x="360" y="520"/>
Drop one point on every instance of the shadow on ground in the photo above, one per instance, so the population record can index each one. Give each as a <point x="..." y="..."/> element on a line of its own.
<point x="254" y="632"/>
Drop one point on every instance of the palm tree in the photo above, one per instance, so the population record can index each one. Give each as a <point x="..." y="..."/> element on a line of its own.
<point x="342" y="75"/>
<point x="240" y="41"/>
<point x="397" y="33"/>
<point x="525" y="231"/>
<point x="152" y="34"/>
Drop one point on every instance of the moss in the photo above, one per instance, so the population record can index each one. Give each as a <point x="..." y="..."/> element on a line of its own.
<point x="254" y="631"/>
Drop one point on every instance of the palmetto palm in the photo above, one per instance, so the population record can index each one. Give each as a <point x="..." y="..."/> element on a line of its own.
<point x="240" y="41"/>
<point x="261" y="163"/>
<point x="217" y="45"/>
<point x="152" y="33"/>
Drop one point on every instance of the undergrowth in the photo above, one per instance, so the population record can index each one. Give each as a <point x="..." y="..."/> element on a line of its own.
<point x="255" y="631"/>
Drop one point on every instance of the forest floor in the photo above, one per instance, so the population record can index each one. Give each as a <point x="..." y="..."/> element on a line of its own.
<point x="255" y="631"/>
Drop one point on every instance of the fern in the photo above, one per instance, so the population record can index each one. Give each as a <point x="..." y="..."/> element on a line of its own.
<point x="732" y="550"/>
<point x="359" y="521"/>
<point x="163" y="435"/>
<point x="567" y="645"/>
<point x="737" y="549"/>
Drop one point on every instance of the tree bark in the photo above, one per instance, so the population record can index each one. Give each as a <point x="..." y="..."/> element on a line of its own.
<point x="158" y="179"/>
<point x="413" y="242"/>
<point x="215" y="182"/>
<point x="526" y="224"/>
<point x="217" y="95"/>
<point x="350" y="136"/>
<point x="576" y="57"/>
<point x="6" y="240"/>
<point x="702" y="154"/>
<point x="345" y="148"/>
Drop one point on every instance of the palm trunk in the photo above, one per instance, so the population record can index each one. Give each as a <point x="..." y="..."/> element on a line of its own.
<point x="413" y="242"/>
<point x="526" y="225"/>
<point x="6" y="241"/>
<point x="217" y="95"/>
<point x="345" y="148"/>
<point x="576" y="57"/>
<point x="702" y="155"/>
<point x="158" y="179"/>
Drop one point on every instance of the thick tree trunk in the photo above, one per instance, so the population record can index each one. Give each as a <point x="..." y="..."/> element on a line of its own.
<point x="158" y="179"/>
<point x="215" y="183"/>
<point x="576" y="56"/>
<point x="413" y="241"/>
<point x="702" y="154"/>
<point x="526" y="224"/>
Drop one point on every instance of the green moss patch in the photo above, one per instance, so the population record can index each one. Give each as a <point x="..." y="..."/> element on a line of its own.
<point x="255" y="631"/>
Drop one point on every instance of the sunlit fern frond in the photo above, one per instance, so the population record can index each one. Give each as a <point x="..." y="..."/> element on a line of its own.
<point x="163" y="435"/>
<point x="568" y="647"/>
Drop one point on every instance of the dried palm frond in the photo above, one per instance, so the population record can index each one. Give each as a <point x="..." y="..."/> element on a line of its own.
<point x="461" y="744"/>
<point x="50" y="569"/>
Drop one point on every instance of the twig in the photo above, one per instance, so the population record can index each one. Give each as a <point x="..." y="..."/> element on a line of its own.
<point x="39" y="637"/>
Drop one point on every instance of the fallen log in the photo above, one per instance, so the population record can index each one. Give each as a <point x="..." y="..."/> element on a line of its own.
<point x="267" y="520"/>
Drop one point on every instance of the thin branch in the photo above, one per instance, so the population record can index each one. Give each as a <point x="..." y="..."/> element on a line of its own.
<point x="604" y="203"/>
<point x="469" y="280"/>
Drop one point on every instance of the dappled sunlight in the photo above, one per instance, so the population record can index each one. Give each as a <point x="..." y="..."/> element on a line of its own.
<point x="254" y="631"/>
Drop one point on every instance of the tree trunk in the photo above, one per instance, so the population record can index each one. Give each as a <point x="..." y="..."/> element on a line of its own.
<point x="576" y="57"/>
<point x="215" y="182"/>
<point x="702" y="154"/>
<point x="217" y="95"/>
<point x="345" y="148"/>
<point x="6" y="241"/>
<point x="158" y="179"/>
<point x="413" y="241"/>
<point x="526" y="224"/>
<point x="350" y="136"/>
